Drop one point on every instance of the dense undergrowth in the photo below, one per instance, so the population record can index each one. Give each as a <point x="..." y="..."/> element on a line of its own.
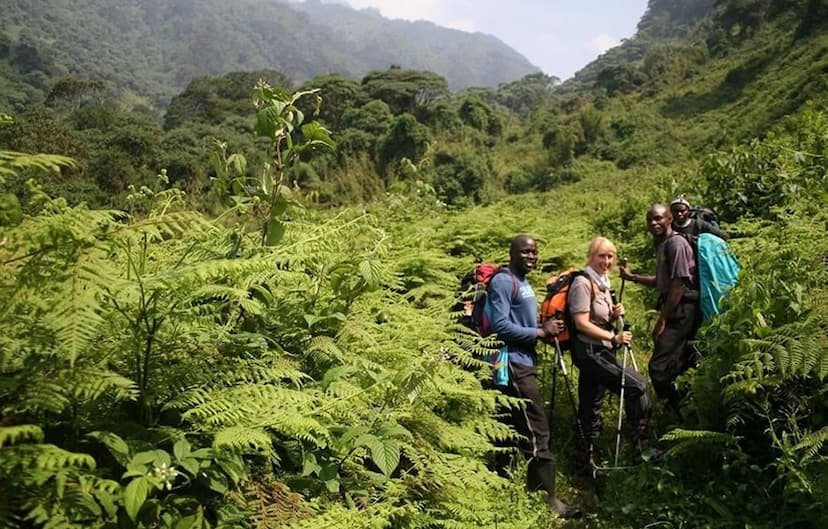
<point x="216" y="350"/>
<point x="160" y="371"/>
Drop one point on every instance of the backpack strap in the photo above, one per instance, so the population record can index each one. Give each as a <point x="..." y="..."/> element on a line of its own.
<point x="591" y="293"/>
<point x="515" y="282"/>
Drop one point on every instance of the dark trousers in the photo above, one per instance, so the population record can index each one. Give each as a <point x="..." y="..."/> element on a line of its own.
<point x="672" y="352"/>
<point x="599" y="370"/>
<point x="530" y="421"/>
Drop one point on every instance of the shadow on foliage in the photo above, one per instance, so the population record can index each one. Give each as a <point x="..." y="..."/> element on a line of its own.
<point x="728" y="91"/>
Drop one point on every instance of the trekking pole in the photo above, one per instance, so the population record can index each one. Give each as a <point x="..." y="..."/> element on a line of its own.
<point x="621" y="293"/>
<point x="621" y="399"/>
<point x="621" y="321"/>
<point x="554" y="384"/>
<point x="568" y="383"/>
<point x="560" y="364"/>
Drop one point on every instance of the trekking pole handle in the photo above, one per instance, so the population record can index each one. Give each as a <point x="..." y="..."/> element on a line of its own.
<point x="612" y="295"/>
<point x="621" y="294"/>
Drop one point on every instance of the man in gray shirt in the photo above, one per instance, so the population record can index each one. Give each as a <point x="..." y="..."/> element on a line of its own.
<point x="678" y="304"/>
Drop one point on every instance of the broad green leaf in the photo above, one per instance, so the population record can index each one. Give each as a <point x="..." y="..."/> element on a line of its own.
<point x="370" y="272"/>
<point x="332" y="485"/>
<point x="344" y="442"/>
<point x="116" y="446"/>
<point x="143" y="458"/>
<point x="190" y="465"/>
<point x="309" y="465"/>
<point x="162" y="457"/>
<point x="202" y="453"/>
<point x="311" y="319"/>
<point x="335" y="373"/>
<point x="394" y="430"/>
<point x="386" y="455"/>
<point x="181" y="449"/>
<point x="135" y="494"/>
<point x="275" y="231"/>
<point x="317" y="134"/>
<point x="367" y="439"/>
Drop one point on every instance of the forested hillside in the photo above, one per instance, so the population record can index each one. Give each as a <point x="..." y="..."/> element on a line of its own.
<point x="239" y="316"/>
<point x="143" y="52"/>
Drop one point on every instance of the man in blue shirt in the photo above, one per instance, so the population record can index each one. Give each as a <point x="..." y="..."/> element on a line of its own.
<point x="514" y="311"/>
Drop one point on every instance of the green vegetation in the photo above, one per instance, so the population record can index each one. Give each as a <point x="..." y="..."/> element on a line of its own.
<point x="222" y="321"/>
<point x="135" y="54"/>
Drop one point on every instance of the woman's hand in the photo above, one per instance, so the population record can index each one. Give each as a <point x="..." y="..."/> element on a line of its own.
<point x="617" y="311"/>
<point x="623" y="338"/>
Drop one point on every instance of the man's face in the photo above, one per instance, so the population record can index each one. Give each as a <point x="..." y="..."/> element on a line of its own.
<point x="680" y="212"/>
<point x="658" y="221"/>
<point x="524" y="256"/>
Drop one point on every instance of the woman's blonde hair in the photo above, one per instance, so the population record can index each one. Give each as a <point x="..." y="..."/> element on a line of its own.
<point x="597" y="244"/>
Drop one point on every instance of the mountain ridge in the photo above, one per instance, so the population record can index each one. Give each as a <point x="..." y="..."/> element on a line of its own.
<point x="147" y="51"/>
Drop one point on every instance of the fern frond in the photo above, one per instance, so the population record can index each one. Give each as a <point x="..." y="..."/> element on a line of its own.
<point x="76" y="317"/>
<point x="10" y="435"/>
<point x="813" y="443"/>
<point x="12" y="162"/>
<point x="273" y="504"/>
<point x="163" y="227"/>
<point x="244" y="439"/>
<point x="707" y="441"/>
<point x="281" y="409"/>
<point x="324" y="348"/>
<point x="46" y="395"/>
<point x="87" y="384"/>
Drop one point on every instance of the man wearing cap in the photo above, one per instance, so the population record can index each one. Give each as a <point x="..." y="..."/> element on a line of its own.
<point x="683" y="223"/>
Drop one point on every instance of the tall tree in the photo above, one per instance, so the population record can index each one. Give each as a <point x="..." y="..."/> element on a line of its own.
<point x="405" y="90"/>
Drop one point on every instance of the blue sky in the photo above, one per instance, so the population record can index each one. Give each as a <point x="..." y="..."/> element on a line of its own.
<point x="558" y="36"/>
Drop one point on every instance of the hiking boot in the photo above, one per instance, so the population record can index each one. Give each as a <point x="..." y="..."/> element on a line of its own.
<point x="544" y="475"/>
<point x="564" y="511"/>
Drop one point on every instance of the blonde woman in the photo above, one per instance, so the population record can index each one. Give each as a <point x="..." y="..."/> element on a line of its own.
<point x="593" y="353"/>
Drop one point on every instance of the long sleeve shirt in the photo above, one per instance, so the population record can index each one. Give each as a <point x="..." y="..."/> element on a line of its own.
<point x="514" y="316"/>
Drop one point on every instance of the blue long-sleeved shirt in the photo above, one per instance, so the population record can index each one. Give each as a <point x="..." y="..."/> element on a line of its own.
<point x="514" y="317"/>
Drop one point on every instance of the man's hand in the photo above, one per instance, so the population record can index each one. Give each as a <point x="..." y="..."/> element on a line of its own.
<point x="658" y="330"/>
<point x="625" y="272"/>
<point x="553" y="327"/>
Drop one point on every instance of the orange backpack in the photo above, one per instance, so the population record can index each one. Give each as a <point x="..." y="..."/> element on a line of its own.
<point x="555" y="303"/>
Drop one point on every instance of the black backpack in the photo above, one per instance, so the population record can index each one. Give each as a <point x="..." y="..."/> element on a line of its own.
<point x="705" y="214"/>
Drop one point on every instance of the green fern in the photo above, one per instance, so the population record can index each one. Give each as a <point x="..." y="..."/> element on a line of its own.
<point x="10" y="435"/>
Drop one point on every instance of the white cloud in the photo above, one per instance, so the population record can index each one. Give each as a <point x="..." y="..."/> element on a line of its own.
<point x="602" y="43"/>
<point x="420" y="10"/>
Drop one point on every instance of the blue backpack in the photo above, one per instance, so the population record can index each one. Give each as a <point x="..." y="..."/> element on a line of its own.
<point x="717" y="270"/>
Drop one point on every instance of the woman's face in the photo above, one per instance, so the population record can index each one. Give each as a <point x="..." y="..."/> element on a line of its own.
<point x="602" y="259"/>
